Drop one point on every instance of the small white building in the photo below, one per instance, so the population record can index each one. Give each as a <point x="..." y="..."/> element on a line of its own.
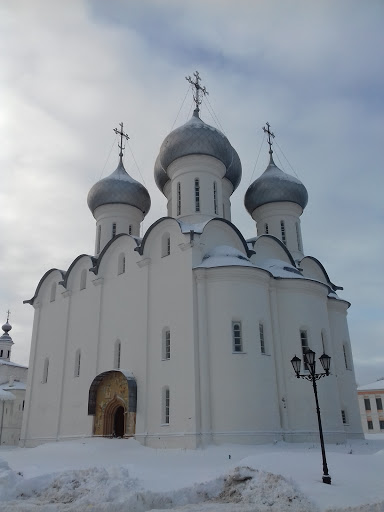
<point x="13" y="378"/>
<point x="371" y="400"/>
<point x="184" y="337"/>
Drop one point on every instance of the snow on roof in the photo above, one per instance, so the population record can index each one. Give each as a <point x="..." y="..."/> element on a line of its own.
<point x="279" y="268"/>
<point x="379" y="385"/>
<point x="197" y="228"/>
<point x="6" y="395"/>
<point x="10" y="363"/>
<point x="16" y="385"/>
<point x="224" y="256"/>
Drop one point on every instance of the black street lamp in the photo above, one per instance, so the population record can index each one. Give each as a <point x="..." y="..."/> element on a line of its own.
<point x="310" y="365"/>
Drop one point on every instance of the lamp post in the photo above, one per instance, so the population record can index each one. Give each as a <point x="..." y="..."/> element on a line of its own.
<point x="310" y="365"/>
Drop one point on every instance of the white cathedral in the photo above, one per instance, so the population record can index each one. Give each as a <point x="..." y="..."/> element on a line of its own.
<point x="185" y="337"/>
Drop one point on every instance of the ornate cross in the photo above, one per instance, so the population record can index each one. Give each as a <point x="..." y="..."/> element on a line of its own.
<point x="122" y="134"/>
<point x="198" y="89"/>
<point x="270" y="134"/>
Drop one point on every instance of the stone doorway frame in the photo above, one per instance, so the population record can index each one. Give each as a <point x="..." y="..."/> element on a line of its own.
<point x="115" y="402"/>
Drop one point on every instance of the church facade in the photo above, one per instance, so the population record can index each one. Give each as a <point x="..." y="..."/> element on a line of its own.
<point x="184" y="337"/>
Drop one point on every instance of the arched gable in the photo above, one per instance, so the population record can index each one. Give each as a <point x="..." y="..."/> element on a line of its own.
<point x="270" y="247"/>
<point x="312" y="268"/>
<point x="72" y="267"/>
<point x="220" y="231"/>
<point x="113" y="243"/>
<point x="153" y="230"/>
<point x="42" y="281"/>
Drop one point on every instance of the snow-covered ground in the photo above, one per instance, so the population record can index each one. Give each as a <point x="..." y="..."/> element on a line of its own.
<point x="96" y="475"/>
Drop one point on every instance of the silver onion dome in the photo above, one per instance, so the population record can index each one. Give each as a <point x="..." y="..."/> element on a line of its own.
<point x="5" y="336"/>
<point x="197" y="138"/>
<point x="119" y="187"/>
<point x="275" y="186"/>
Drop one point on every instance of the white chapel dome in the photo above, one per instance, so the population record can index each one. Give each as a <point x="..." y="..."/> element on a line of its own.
<point x="197" y="138"/>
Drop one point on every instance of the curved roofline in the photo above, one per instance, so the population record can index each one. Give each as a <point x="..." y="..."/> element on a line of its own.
<point x="334" y="286"/>
<point x="95" y="268"/>
<point x="65" y="280"/>
<point x="279" y="243"/>
<point x="249" y="252"/>
<point x="31" y="301"/>
<point x="140" y="248"/>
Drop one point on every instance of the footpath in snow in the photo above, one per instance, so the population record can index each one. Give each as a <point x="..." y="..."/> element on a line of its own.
<point x="100" y="475"/>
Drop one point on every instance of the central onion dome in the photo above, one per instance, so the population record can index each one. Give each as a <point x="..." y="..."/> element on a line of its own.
<point x="275" y="186"/>
<point x="119" y="188"/>
<point x="197" y="138"/>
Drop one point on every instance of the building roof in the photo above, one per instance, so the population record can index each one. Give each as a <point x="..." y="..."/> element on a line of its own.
<point x="197" y="138"/>
<point x="16" y="386"/>
<point x="378" y="385"/>
<point x="6" y="395"/>
<point x="11" y="363"/>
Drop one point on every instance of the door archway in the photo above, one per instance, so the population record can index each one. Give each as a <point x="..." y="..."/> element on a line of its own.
<point x="112" y="402"/>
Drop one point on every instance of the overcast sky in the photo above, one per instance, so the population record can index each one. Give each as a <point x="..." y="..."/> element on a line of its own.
<point x="71" y="71"/>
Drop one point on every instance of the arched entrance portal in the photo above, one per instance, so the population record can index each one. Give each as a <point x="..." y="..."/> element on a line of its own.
<point x="112" y="402"/>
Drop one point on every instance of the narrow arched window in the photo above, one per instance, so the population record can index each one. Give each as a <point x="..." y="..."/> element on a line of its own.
<point x="166" y="245"/>
<point x="283" y="236"/>
<point x="117" y="354"/>
<point x="262" y="339"/>
<point x="77" y="363"/>
<point x="197" y="195"/>
<point x="113" y="229"/>
<point x="130" y="229"/>
<point x="53" y="292"/>
<point x="178" y="198"/>
<point x="237" y="340"/>
<point x="346" y="359"/>
<point x="83" y="279"/>
<point x="45" y="370"/>
<point x="98" y="238"/>
<point x="215" y="197"/>
<point x="166" y="406"/>
<point x="304" y="345"/>
<point x="166" y="348"/>
<point x="299" y="246"/>
<point x="121" y="264"/>
<point x="266" y="229"/>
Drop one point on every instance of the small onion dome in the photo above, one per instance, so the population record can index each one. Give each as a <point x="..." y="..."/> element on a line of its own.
<point x="6" y="337"/>
<point x="197" y="138"/>
<point x="275" y="186"/>
<point x="119" y="188"/>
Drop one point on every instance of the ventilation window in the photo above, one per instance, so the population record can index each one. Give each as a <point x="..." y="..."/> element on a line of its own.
<point x="83" y="279"/>
<point x="262" y="340"/>
<point x="299" y="246"/>
<point x="53" y="292"/>
<point x="344" y="417"/>
<point x="304" y="345"/>
<point x="113" y="229"/>
<point x="121" y="264"/>
<point x="77" y="363"/>
<point x="130" y="229"/>
<point x="166" y="406"/>
<point x="117" y="357"/>
<point x="283" y="237"/>
<point x="178" y="198"/>
<point x="45" y="370"/>
<point x="215" y="198"/>
<point x="197" y="195"/>
<point x="346" y="362"/>
<point x="98" y="238"/>
<point x="266" y="228"/>
<point x="237" y="342"/>
<point x="166" y="344"/>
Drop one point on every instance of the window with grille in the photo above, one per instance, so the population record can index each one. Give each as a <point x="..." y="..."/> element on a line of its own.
<point x="298" y="237"/>
<point x="166" y="406"/>
<point x="283" y="236"/>
<point x="215" y="198"/>
<point x="179" y="198"/>
<point x="262" y="340"/>
<point x="344" y="417"/>
<point x="166" y="344"/>
<point x="165" y="245"/>
<point x="346" y="362"/>
<point x="236" y="337"/>
<point x="130" y="229"/>
<point x="121" y="264"/>
<point x="304" y="345"/>
<point x="266" y="229"/>
<point x="197" y="195"/>
<point x="113" y="229"/>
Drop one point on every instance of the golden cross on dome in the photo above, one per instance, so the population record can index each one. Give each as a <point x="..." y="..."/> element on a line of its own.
<point x="270" y="134"/>
<point x="198" y="89"/>
<point x="122" y="134"/>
